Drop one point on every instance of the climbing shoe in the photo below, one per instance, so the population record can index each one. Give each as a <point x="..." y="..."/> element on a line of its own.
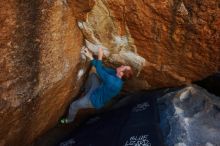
<point x="64" y="121"/>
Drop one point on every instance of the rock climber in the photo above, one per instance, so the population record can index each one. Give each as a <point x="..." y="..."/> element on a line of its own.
<point x="100" y="86"/>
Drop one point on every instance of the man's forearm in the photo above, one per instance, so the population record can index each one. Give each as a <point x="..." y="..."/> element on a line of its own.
<point x="100" y="54"/>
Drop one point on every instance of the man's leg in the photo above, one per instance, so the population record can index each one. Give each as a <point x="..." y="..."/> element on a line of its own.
<point x="81" y="103"/>
<point x="91" y="84"/>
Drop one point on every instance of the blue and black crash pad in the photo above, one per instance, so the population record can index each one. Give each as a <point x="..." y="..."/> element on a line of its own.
<point x="134" y="121"/>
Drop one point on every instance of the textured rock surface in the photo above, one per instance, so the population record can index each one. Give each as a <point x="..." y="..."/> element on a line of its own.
<point x="40" y="56"/>
<point x="190" y="117"/>
<point x="167" y="42"/>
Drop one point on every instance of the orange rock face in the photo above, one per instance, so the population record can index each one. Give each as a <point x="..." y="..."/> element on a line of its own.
<point x="40" y="59"/>
<point x="167" y="43"/>
<point x="178" y="40"/>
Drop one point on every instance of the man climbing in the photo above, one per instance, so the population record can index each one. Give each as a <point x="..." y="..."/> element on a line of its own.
<point x="100" y="86"/>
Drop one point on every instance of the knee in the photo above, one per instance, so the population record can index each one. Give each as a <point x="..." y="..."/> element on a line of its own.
<point x="93" y="75"/>
<point x="74" y="105"/>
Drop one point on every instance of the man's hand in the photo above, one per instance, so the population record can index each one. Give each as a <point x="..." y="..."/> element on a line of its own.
<point x="87" y="53"/>
<point x="100" y="54"/>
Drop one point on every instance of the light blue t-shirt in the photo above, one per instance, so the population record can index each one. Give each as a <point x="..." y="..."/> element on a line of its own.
<point x="110" y="85"/>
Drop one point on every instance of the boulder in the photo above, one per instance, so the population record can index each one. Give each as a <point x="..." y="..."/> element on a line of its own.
<point x="40" y="67"/>
<point x="190" y="117"/>
<point x="168" y="43"/>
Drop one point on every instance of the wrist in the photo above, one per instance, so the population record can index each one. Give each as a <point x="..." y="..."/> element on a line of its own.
<point x="100" y="57"/>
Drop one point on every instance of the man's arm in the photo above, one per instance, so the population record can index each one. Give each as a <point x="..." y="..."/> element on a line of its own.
<point x="100" y="54"/>
<point x="100" y="70"/>
<point x="103" y="72"/>
<point x="110" y="70"/>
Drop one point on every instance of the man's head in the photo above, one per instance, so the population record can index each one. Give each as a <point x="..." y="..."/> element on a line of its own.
<point x="124" y="72"/>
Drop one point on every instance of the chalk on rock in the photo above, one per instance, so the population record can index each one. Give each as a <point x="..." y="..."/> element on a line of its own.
<point x="80" y="73"/>
<point x="121" y="40"/>
<point x="80" y="24"/>
<point x="133" y="59"/>
<point x="94" y="48"/>
<point x="81" y="53"/>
